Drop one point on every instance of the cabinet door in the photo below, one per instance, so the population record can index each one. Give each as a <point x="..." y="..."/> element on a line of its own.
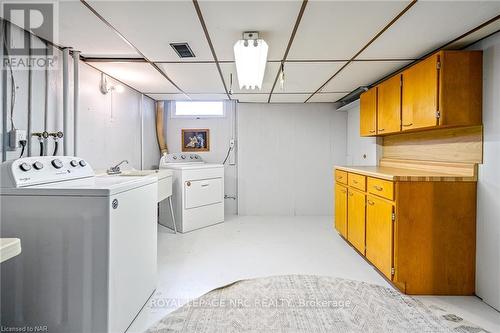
<point x="341" y="209"/>
<point x="420" y="94"/>
<point x="356" y="219"/>
<point x="379" y="234"/>
<point x="368" y="112"/>
<point x="389" y="106"/>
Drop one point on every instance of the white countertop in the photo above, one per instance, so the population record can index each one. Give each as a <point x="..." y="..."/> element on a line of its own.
<point x="9" y="247"/>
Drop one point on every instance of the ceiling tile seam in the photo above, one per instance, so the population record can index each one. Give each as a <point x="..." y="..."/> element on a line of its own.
<point x="244" y="93"/>
<point x="289" y="45"/>
<point x="119" y="34"/>
<point x="304" y="61"/>
<point x="406" y="9"/>
<point x="479" y="27"/>
<point x="210" y="44"/>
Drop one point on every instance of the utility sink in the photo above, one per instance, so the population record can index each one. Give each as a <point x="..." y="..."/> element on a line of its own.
<point x="136" y="173"/>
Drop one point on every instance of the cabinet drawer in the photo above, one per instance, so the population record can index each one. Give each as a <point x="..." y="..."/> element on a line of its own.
<point x="357" y="181"/>
<point x="341" y="176"/>
<point x="383" y="188"/>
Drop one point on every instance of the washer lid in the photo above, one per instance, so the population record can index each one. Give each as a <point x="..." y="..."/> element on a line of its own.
<point x="98" y="186"/>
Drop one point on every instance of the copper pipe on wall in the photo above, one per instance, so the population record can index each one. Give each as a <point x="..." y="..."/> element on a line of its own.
<point x="160" y="127"/>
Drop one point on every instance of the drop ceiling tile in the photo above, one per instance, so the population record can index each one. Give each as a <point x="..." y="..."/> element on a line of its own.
<point x="428" y="25"/>
<point x="338" y="29"/>
<point x="77" y="27"/>
<point x="141" y="76"/>
<point x="289" y="98"/>
<point x="152" y="25"/>
<point x="475" y="36"/>
<point x="362" y="73"/>
<point x="326" y="97"/>
<point x="194" y="77"/>
<point x="193" y="97"/>
<point x="227" y="20"/>
<point x="251" y="98"/>
<point x="306" y="77"/>
<point x="267" y="84"/>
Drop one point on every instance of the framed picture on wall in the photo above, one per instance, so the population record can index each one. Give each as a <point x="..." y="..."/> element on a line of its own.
<point x="195" y="140"/>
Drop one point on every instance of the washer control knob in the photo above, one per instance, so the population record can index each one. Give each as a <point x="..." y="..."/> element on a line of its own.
<point x="183" y="157"/>
<point x="82" y="163"/>
<point x="196" y="157"/>
<point x="25" y="167"/>
<point x="57" y="163"/>
<point x="191" y="157"/>
<point x="38" y="165"/>
<point x="174" y="157"/>
<point x="74" y="163"/>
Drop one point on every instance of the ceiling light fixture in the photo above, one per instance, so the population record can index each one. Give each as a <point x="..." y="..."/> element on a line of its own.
<point x="250" y="54"/>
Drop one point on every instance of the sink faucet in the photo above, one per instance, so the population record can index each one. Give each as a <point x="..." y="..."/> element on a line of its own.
<point x="114" y="170"/>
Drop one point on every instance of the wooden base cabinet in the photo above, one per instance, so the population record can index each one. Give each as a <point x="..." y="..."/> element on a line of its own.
<point x="380" y="218"/>
<point x="419" y="234"/>
<point x="356" y="219"/>
<point x="341" y="209"/>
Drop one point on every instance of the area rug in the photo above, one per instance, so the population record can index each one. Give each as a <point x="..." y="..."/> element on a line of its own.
<point x="304" y="303"/>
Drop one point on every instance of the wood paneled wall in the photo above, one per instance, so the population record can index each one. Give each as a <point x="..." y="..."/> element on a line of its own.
<point x="464" y="144"/>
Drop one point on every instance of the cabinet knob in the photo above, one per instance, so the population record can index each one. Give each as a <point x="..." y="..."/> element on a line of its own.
<point x="381" y="129"/>
<point x="408" y="125"/>
<point x="372" y="131"/>
<point x="371" y="203"/>
<point x="378" y="188"/>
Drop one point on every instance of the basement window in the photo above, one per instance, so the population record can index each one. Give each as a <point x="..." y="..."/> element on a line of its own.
<point x="197" y="109"/>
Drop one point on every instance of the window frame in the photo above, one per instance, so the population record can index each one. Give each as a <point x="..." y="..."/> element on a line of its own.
<point x="173" y="109"/>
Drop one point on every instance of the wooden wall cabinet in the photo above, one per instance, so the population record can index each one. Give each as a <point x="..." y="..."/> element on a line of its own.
<point x="368" y="112"/>
<point x="443" y="90"/>
<point x="389" y="106"/>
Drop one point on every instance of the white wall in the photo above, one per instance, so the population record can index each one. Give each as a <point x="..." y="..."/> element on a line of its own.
<point x="360" y="150"/>
<point x="285" y="157"/>
<point x="102" y="140"/>
<point x="110" y="125"/>
<point x="488" y="194"/>
<point x="221" y="131"/>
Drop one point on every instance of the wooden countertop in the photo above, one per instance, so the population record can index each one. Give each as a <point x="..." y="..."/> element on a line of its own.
<point x="418" y="171"/>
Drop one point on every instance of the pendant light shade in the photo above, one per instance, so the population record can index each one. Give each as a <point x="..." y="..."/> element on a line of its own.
<point x="251" y="59"/>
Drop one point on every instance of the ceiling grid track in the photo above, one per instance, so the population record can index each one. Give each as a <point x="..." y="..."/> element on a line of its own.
<point x="209" y="41"/>
<point x="155" y="66"/>
<point x="364" y="48"/>
<point x="290" y="41"/>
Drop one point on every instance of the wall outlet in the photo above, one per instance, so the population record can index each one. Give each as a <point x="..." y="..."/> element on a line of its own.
<point x="15" y="136"/>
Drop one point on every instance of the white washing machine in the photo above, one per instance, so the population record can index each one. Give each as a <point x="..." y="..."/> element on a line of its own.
<point x="89" y="246"/>
<point x="198" y="190"/>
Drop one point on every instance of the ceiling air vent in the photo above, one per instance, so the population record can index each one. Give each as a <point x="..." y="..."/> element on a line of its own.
<point x="183" y="50"/>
